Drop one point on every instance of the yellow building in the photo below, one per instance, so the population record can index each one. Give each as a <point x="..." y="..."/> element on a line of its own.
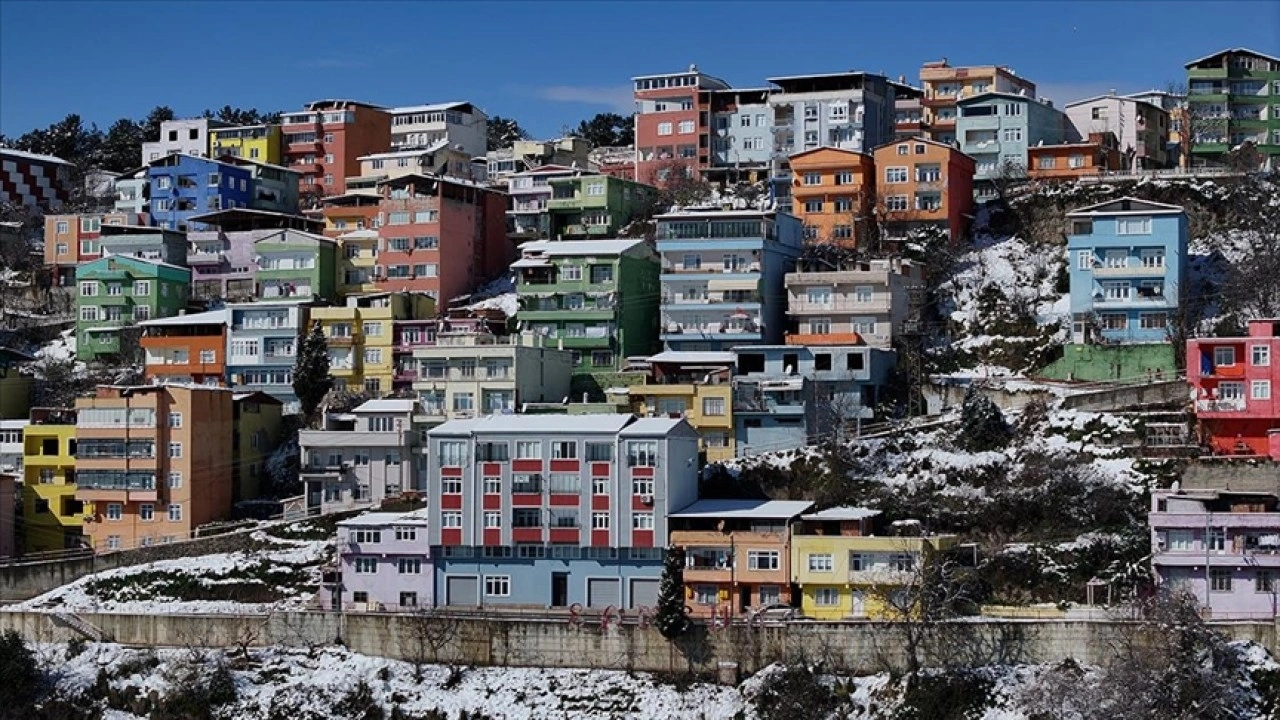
<point x="260" y="143"/>
<point x="257" y="433"/>
<point x="695" y="386"/>
<point x="361" y="337"/>
<point x="843" y="571"/>
<point x="357" y="262"/>
<point x="52" y="517"/>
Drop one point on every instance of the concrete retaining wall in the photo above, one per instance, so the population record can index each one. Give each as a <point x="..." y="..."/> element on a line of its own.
<point x="1129" y="396"/>
<point x="849" y="647"/>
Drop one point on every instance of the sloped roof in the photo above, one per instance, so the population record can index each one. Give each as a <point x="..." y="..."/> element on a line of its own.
<point x="396" y="405"/>
<point x="1235" y="51"/>
<point x="575" y="248"/>
<point x="1127" y="205"/>
<point x="754" y="509"/>
<point x="212" y="317"/>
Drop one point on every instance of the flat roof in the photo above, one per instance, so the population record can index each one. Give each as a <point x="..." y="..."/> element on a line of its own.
<point x="416" y="517"/>
<point x="575" y="248"/>
<point x="387" y="405"/>
<point x="763" y="509"/>
<point x="427" y="108"/>
<point x="844" y="512"/>
<point x="689" y="356"/>
<point x="210" y="317"/>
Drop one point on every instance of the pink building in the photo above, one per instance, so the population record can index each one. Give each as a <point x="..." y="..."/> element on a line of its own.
<point x="1232" y="380"/>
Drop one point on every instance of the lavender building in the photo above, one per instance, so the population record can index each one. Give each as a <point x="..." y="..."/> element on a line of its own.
<point x="383" y="564"/>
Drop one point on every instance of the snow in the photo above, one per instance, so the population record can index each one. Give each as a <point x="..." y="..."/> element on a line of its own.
<point x="499" y="294"/>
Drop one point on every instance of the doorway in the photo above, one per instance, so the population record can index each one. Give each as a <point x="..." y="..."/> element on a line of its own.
<point x="744" y="598"/>
<point x="559" y="589"/>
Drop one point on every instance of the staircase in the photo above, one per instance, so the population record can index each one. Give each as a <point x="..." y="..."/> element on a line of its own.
<point x="79" y="626"/>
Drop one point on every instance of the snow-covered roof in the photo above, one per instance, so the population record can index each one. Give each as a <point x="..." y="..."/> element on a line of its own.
<point x="765" y="509"/>
<point x="844" y="512"/>
<point x="426" y="108"/>
<point x="396" y="405"/>
<point x="650" y="426"/>
<point x="531" y="262"/>
<point x="134" y="258"/>
<point x="211" y="317"/>
<point x="410" y="152"/>
<point x="1236" y="51"/>
<point x="416" y="517"/>
<point x="33" y="156"/>
<point x="689" y="357"/>
<point x="576" y="248"/>
<point x="1127" y="205"/>
<point x="359" y="235"/>
<point x="711" y="214"/>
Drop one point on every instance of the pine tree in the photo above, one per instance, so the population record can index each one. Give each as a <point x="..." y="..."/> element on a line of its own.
<point x="311" y="378"/>
<point x="672" y="619"/>
<point x="982" y="425"/>
<point x="504" y="132"/>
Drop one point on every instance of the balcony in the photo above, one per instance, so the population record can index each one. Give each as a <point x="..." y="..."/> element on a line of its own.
<point x="801" y="306"/>
<point x="198" y="257"/>
<point x="116" y="488"/>
<point x="880" y="576"/>
<point x="1222" y="405"/>
<point x="678" y="269"/>
<point x="824" y="339"/>
<point x="340" y="340"/>
<point x="1130" y="271"/>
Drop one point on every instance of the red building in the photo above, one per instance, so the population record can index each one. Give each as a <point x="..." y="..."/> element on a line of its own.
<point x="39" y="182"/>
<point x="324" y="142"/>
<point x="1232" y="379"/>
<point x="440" y="236"/>
<point x="670" y="130"/>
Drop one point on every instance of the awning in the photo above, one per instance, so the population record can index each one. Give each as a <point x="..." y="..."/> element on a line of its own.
<point x="531" y="262"/>
<point x="733" y="284"/>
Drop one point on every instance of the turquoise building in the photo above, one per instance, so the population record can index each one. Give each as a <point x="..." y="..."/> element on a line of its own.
<point x="996" y="128"/>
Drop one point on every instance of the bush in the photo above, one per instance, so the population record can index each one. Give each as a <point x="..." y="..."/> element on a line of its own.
<point x="982" y="425"/>
<point x="20" y="676"/>
<point x="795" y="692"/>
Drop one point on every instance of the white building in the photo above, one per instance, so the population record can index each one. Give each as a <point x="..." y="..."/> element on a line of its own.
<point x="188" y="137"/>
<point x="470" y="374"/>
<point x="1141" y="127"/>
<point x="11" y="446"/>
<point x="462" y="124"/>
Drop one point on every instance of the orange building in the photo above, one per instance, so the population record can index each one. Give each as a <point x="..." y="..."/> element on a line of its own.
<point x="944" y="84"/>
<point x="73" y="239"/>
<point x="153" y="462"/>
<point x="350" y="212"/>
<point x="1099" y="154"/>
<point x="923" y="182"/>
<point x="323" y="143"/>
<point x="186" y="348"/>
<point x="833" y="193"/>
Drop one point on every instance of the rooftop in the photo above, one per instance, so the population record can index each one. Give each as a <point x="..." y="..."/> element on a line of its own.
<point x="212" y="317"/>
<point x="416" y="517"/>
<point x="435" y="107"/>
<point x="577" y="248"/>
<point x="843" y="512"/>
<point x="1127" y="205"/>
<point x="1233" y="51"/>
<point x="396" y="405"/>
<point x="32" y="156"/>
<point x="750" y="509"/>
<point x="544" y="424"/>
<point x="692" y="357"/>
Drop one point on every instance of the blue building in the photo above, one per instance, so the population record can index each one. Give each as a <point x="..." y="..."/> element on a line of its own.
<point x="996" y="128"/>
<point x="785" y="396"/>
<point x="1128" y="265"/>
<point x="182" y="186"/>
<point x="262" y="344"/>
<point x="723" y="277"/>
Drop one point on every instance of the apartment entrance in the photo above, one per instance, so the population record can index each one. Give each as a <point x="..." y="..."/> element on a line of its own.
<point x="559" y="589"/>
<point x="744" y="598"/>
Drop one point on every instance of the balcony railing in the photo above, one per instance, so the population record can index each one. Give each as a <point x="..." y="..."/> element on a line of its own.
<point x="1224" y="405"/>
<point x="840" y="304"/>
<point x="1130" y="271"/>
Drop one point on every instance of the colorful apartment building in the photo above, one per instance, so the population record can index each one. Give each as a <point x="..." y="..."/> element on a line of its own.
<point x="1232" y="98"/>
<point x="262" y="344"/>
<point x="273" y="188"/>
<point x="182" y="186"/>
<point x="908" y="109"/>
<point x="1175" y="105"/>
<point x="438" y="159"/>
<point x="411" y="334"/>
<point x="1098" y="155"/>
<point x="357" y="262"/>
<point x="1231" y="382"/>
<point x="257" y="417"/>
<point x="223" y="259"/>
<point x="182" y="137"/>
<point x="360" y="337"/>
<point x="552" y="511"/>
<point x="739" y="133"/>
<point x="53" y="518"/>
<point x="362" y="457"/>
<point x="295" y="265"/>
<point x="944" y="85"/>
<point x="596" y="298"/>
<point x="863" y="302"/>
<point x="72" y="239"/>
<point x="530" y="193"/>
<point x="186" y="348"/>
<point x="324" y="141"/>
<point x="996" y="129"/>
<point x="524" y="155"/>
<point x="39" y="182"/>
<point x="382" y="563"/>
<point x="848" y="111"/>
<point x="260" y="143"/>
<point x="923" y="183"/>
<point x="132" y="192"/>
<point x="117" y="291"/>
<point x="737" y="554"/>
<point x="468" y="374"/>
<point x="1141" y="128"/>
<point x="697" y="387"/>
<point x="457" y="124"/>
<point x="11" y="448"/>
<point x="350" y="212"/>
<point x="844" y="571"/>
<point x="667" y="124"/>
<point x="440" y="236"/>
<point x="596" y="206"/>
<point x="1127" y="270"/>
<point x="152" y="462"/>
<point x="149" y="243"/>
<point x="722" y="277"/>
<point x="834" y="193"/>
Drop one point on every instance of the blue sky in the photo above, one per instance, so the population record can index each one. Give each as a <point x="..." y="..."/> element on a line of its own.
<point x="551" y="64"/>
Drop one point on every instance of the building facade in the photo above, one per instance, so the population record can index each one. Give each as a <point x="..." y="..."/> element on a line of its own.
<point x="324" y="141"/>
<point x="737" y="554"/>
<point x="411" y="334"/>
<point x="1231" y="382"/>
<point x="530" y="193"/>
<point x="1141" y="128"/>
<point x="597" y="298"/>
<point x="223" y="259"/>
<point x="183" y="186"/>
<point x="722" y="277"/>
<point x="383" y="564"/>
<point x="1231" y="97"/>
<point x="260" y="143"/>
<point x="460" y="125"/>
<point x="923" y="183"/>
<point x="943" y="85"/>
<point x="695" y="386"/>
<point x="181" y="137"/>
<point x="363" y="457"/>
<point x="471" y="374"/>
<point x="667" y="123"/>
<point x="1097" y="155"/>
<point x="833" y="192"/>
<point x="1127" y="270"/>
<point x="118" y="291"/>
<point x="39" y="182"/>
<point x="739" y="134"/>
<point x="53" y="518"/>
<point x="360" y="335"/>
<point x="595" y="206"/>
<point x="865" y="302"/>
<point x="996" y="129"/>
<point x="297" y="265"/>
<point x="524" y="155"/>
<point x="152" y="463"/>
<point x="72" y="239"/>
<point x="186" y="348"/>
<point x="262" y="343"/>
<point x="554" y="511"/>
<point x="257" y="417"/>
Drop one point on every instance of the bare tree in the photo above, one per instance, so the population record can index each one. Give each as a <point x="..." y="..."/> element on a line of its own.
<point x="679" y="184"/>
<point x="429" y="631"/>
<point x="1199" y="125"/>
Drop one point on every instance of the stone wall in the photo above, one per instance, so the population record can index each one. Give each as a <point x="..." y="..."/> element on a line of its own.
<point x="849" y="647"/>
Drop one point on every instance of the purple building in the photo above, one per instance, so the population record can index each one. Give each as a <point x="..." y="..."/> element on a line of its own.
<point x="1221" y="545"/>
<point x="222" y="258"/>
<point x="384" y="564"/>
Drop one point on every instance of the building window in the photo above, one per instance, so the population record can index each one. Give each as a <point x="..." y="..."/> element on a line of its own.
<point x="1013" y="134"/>
<point x="642" y="521"/>
<point x="453" y="453"/>
<point x="600" y="486"/>
<point x="893" y="175"/>
<point x="812" y="206"/>
<point x="664" y="128"/>
<point x="451" y="486"/>
<point x="1260" y="390"/>
<point x="823" y="562"/>
<point x="410" y="566"/>
<point x="175" y="419"/>
<point x="366" y="566"/>
<point x="175" y="479"/>
<point x="492" y="485"/>
<point x="208" y="356"/>
<point x="1133" y="226"/>
<point x="1224" y="356"/>
<point x="713" y="406"/>
<point x="1264" y="582"/>
<point x="1220" y="579"/>
<point x="1153" y="321"/>
<point x="175" y="449"/>
<point x="528" y="450"/>
<point x="564" y="450"/>
<point x="762" y="560"/>
<point x="175" y="512"/>
<point x="812" y="178"/>
<point x="1260" y="355"/>
<point x="406" y="534"/>
<point x="826" y="597"/>
<point x="895" y="203"/>
<point x="450" y="519"/>
<point x="493" y="520"/>
<point x="705" y="594"/>
<point x="497" y="585"/>
<point x="642" y="453"/>
<point x="141" y="288"/>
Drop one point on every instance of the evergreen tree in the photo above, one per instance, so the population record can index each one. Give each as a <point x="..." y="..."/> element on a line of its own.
<point x="151" y="125"/>
<point x="607" y="130"/>
<point x="672" y="619"/>
<point x="122" y="146"/>
<point x="982" y="425"/>
<point x="19" y="676"/>
<point x="311" y="378"/>
<point x="503" y="132"/>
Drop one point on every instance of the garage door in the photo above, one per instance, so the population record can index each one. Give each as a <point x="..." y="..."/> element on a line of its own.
<point x="603" y="592"/>
<point x="462" y="591"/>
<point x="644" y="593"/>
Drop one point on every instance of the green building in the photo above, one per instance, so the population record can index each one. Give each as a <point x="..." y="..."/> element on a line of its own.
<point x="599" y="298"/>
<point x="595" y="206"/>
<point x="118" y="291"/>
<point x="295" y="265"/>
<point x="1233" y="97"/>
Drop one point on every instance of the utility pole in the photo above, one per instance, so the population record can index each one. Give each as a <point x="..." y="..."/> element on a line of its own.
<point x="913" y="351"/>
